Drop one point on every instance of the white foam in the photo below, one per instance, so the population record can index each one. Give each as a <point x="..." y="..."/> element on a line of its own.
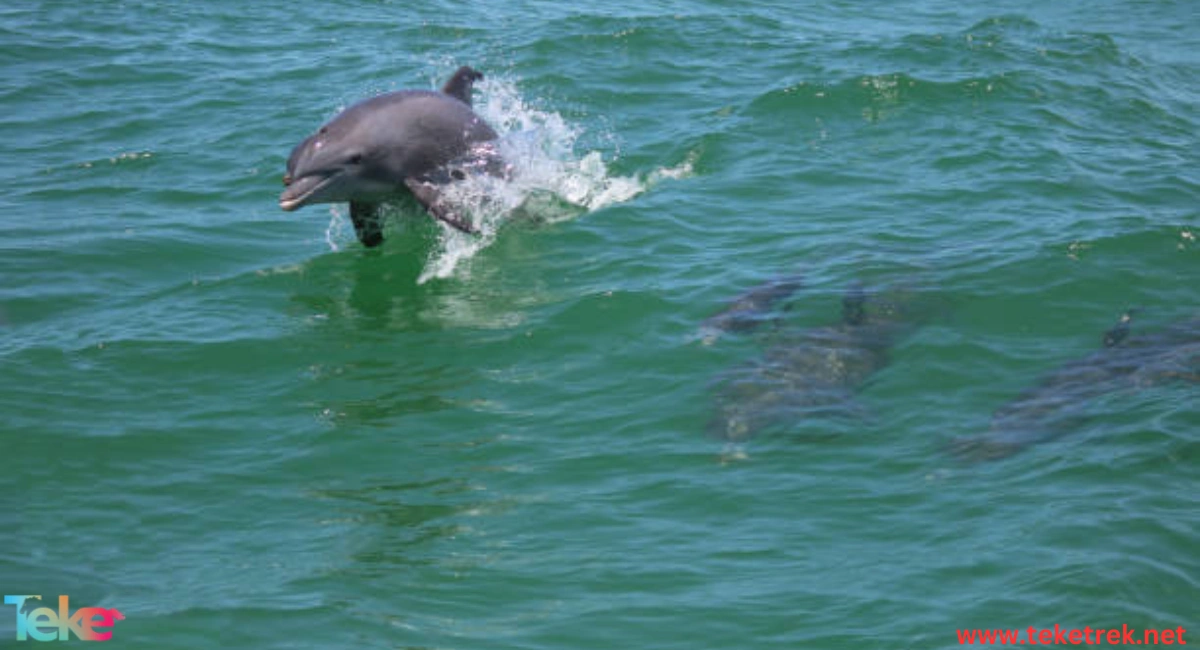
<point x="335" y="231"/>
<point x="549" y="181"/>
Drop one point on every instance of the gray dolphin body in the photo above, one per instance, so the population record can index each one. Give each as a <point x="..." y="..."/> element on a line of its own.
<point x="410" y="141"/>
<point x="816" y="371"/>
<point x="1058" y="404"/>
<point x="751" y="309"/>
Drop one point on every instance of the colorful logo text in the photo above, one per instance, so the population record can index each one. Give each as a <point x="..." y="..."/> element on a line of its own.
<point x="45" y="624"/>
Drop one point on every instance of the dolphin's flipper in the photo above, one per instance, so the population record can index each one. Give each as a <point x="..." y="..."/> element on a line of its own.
<point x="431" y="197"/>
<point x="367" y="223"/>
<point x="459" y="86"/>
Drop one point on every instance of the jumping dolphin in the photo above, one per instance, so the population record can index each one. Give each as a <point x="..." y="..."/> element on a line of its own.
<point x="406" y="141"/>
<point x="816" y="371"/>
<point x="1059" y="401"/>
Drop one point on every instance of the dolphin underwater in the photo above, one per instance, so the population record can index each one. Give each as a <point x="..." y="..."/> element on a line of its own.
<point x="409" y="141"/>
<point x="1058" y="403"/>
<point x="751" y="309"/>
<point x="816" y="371"/>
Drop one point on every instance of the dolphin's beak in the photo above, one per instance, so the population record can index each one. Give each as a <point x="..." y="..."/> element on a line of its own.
<point x="300" y="190"/>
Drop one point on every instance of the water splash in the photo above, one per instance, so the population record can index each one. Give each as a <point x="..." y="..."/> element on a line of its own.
<point x="336" y="230"/>
<point x="548" y="181"/>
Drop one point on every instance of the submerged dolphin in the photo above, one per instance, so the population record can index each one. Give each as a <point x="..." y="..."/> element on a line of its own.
<point x="816" y="371"/>
<point x="377" y="150"/>
<point x="749" y="310"/>
<point x="1059" y="401"/>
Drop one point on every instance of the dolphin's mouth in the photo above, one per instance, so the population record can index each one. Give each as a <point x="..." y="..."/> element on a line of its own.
<point x="301" y="191"/>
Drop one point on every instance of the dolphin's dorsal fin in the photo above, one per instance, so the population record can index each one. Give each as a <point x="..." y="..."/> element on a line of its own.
<point x="459" y="85"/>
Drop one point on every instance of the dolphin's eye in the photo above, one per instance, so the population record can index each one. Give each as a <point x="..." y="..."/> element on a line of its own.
<point x="356" y="159"/>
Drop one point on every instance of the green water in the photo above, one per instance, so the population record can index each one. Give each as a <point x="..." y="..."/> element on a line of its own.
<point x="243" y="430"/>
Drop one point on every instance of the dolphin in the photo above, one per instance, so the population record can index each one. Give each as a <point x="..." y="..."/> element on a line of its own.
<point x="817" y="371"/>
<point x="1058" y="403"/>
<point x="749" y="310"/>
<point x="409" y="141"/>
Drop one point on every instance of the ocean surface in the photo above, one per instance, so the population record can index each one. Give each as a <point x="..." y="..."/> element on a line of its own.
<point x="242" y="429"/>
